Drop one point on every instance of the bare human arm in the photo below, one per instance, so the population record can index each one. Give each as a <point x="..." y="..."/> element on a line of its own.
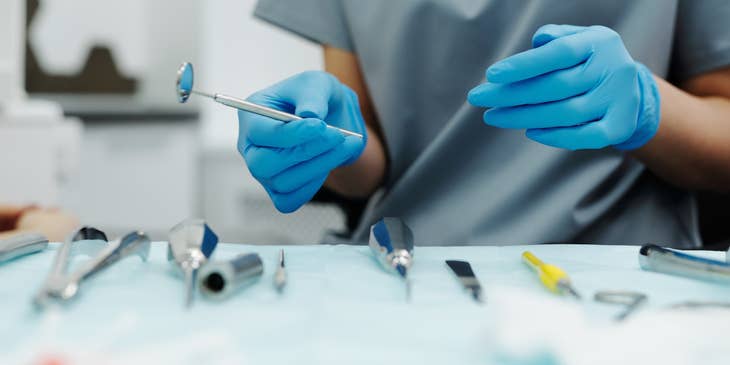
<point x="692" y="146"/>
<point x="362" y="178"/>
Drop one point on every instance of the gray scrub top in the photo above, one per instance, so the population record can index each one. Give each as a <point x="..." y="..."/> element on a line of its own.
<point x="457" y="181"/>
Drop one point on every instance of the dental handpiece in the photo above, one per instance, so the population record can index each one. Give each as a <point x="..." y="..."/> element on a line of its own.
<point x="21" y="245"/>
<point x="221" y="279"/>
<point x="659" y="259"/>
<point x="391" y="242"/>
<point x="184" y="88"/>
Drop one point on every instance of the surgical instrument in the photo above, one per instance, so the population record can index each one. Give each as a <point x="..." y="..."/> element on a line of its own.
<point x="220" y="279"/>
<point x="280" y="274"/>
<point x="184" y="88"/>
<point x="466" y="276"/>
<point x="698" y="305"/>
<point x="21" y="245"/>
<point x="87" y="240"/>
<point x="551" y="276"/>
<point x="391" y="242"/>
<point x="659" y="259"/>
<point x="191" y="244"/>
<point x="631" y="300"/>
<point x="135" y="243"/>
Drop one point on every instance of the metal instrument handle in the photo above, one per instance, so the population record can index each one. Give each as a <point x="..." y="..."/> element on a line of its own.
<point x="22" y="245"/>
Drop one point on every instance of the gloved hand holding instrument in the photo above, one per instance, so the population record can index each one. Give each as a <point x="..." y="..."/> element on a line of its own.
<point x="578" y="88"/>
<point x="292" y="160"/>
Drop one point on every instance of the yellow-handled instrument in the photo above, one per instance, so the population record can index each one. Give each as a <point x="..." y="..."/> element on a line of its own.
<point x="551" y="276"/>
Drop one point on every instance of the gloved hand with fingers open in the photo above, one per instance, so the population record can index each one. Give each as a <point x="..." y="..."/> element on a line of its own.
<point x="578" y="88"/>
<point x="292" y="160"/>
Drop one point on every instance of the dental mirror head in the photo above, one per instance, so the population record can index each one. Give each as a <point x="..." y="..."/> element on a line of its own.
<point x="184" y="84"/>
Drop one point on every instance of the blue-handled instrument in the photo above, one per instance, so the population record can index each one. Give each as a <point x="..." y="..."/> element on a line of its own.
<point x="659" y="259"/>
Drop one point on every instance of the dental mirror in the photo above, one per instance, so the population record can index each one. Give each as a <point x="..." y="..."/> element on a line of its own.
<point x="184" y="88"/>
<point x="184" y="84"/>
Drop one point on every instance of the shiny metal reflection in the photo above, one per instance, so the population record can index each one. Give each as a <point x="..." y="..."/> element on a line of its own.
<point x="221" y="279"/>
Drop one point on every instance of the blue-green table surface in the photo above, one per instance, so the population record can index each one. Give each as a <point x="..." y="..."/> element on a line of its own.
<point x="338" y="307"/>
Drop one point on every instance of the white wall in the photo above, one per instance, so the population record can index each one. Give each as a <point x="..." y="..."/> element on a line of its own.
<point x="239" y="55"/>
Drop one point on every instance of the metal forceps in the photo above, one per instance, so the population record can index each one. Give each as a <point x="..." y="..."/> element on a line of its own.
<point x="629" y="299"/>
<point x="62" y="286"/>
<point x="87" y="240"/>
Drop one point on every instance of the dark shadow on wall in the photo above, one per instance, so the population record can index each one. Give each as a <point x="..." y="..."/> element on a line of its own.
<point x="99" y="74"/>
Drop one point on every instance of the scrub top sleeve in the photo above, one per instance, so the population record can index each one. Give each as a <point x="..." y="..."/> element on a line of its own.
<point x="321" y="21"/>
<point x="702" y="38"/>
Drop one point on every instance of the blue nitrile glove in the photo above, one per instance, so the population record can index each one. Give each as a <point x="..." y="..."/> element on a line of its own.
<point x="292" y="160"/>
<point x="578" y="88"/>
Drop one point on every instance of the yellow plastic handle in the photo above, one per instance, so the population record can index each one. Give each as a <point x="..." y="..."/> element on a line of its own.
<point x="550" y="275"/>
<point x="532" y="260"/>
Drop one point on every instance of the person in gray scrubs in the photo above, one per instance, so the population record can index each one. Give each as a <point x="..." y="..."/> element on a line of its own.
<point x="601" y="117"/>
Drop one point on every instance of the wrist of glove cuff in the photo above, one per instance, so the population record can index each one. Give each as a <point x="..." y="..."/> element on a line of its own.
<point x="647" y="122"/>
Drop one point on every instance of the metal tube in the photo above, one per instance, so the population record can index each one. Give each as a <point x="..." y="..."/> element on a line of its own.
<point x="220" y="279"/>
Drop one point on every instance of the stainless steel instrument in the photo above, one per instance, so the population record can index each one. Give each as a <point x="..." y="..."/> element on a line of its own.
<point x="135" y="243"/>
<point x="191" y="244"/>
<point x="659" y="259"/>
<point x="391" y="242"/>
<point x="86" y="240"/>
<point x="220" y="279"/>
<point x="629" y="299"/>
<point x="466" y="276"/>
<point x="184" y="88"/>
<point x="21" y="245"/>
<point x="280" y="274"/>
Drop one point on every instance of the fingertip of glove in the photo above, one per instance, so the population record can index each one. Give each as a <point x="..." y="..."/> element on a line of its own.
<point x="538" y="135"/>
<point x="284" y="204"/>
<point x="489" y="117"/>
<point x="285" y="207"/>
<point x="314" y="123"/>
<point x="473" y="96"/>
<point x="307" y="114"/>
<point x="497" y="72"/>
<point x="482" y="95"/>
<point x="540" y="39"/>
<point x="352" y="148"/>
<point x="309" y="127"/>
<point x="332" y="135"/>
